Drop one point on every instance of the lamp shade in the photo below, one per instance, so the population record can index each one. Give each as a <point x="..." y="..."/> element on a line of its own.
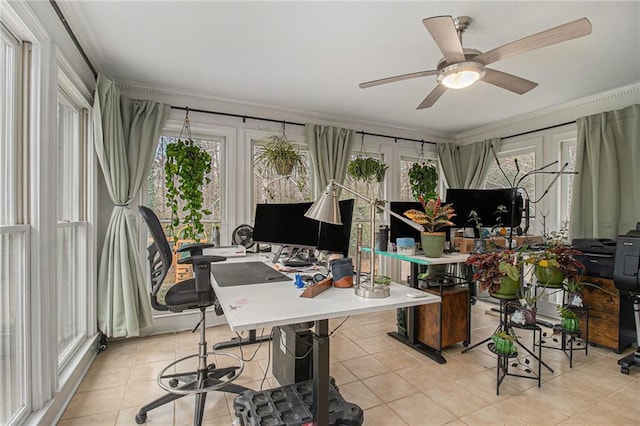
<point x="326" y="208"/>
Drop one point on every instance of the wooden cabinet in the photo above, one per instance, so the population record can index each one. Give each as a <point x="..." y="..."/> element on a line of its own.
<point x="454" y="326"/>
<point x="605" y="328"/>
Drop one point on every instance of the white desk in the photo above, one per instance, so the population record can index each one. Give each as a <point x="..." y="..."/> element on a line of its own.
<point x="272" y="304"/>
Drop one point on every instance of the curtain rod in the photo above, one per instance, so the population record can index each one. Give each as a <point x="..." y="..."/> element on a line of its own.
<point x="67" y="27"/>
<point x="285" y="122"/>
<point x="539" y="130"/>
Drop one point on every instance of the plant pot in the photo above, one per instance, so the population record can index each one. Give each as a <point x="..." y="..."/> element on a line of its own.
<point x="508" y="289"/>
<point x="284" y="167"/>
<point x="570" y="325"/>
<point x="549" y="276"/>
<point x="525" y="316"/>
<point x="503" y="346"/>
<point x="479" y="246"/>
<point x="575" y="299"/>
<point x="432" y="243"/>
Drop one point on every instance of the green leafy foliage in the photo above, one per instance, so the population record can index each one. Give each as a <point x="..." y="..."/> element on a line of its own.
<point x="423" y="179"/>
<point x="435" y="215"/>
<point x="186" y="171"/>
<point x="566" y="313"/>
<point x="491" y="267"/>
<point x="280" y="156"/>
<point x="367" y="169"/>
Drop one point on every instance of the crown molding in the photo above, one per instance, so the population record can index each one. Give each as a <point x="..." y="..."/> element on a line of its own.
<point x="612" y="99"/>
<point x="276" y="112"/>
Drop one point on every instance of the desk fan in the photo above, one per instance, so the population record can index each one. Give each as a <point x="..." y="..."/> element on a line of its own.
<point x="243" y="235"/>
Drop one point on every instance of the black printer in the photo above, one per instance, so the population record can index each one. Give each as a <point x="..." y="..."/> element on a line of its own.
<point x="598" y="256"/>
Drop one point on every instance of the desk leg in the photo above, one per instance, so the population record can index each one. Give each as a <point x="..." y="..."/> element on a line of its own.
<point x="411" y="326"/>
<point x="321" y="373"/>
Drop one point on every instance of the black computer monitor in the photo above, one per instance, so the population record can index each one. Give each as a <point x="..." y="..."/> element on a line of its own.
<point x="485" y="202"/>
<point x="285" y="224"/>
<point x="336" y="238"/>
<point x="399" y="229"/>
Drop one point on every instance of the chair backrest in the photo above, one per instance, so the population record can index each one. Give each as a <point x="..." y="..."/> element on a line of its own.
<point x="160" y="255"/>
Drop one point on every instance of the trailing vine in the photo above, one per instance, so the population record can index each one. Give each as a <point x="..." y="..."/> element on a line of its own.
<point x="366" y="169"/>
<point x="186" y="171"/>
<point x="423" y="179"/>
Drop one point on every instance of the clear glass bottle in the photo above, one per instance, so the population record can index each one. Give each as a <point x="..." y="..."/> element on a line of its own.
<point x="215" y="236"/>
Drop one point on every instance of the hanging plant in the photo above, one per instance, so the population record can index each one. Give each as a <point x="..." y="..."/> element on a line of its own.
<point x="367" y="169"/>
<point x="186" y="171"/>
<point x="281" y="156"/>
<point x="423" y="179"/>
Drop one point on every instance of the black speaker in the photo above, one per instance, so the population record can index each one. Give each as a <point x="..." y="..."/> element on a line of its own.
<point x="292" y="353"/>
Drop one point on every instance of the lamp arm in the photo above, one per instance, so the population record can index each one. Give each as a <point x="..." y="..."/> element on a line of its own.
<point x="381" y="205"/>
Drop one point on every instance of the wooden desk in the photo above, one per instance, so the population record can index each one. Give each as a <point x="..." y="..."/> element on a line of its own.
<point x="271" y="304"/>
<point x="430" y="328"/>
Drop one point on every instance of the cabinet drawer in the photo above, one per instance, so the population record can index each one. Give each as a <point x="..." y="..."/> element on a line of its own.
<point x="603" y="328"/>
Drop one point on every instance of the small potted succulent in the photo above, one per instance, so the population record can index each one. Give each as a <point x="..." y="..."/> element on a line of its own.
<point x="503" y="343"/>
<point x="434" y="216"/>
<point x="569" y="319"/>
<point x="497" y="272"/>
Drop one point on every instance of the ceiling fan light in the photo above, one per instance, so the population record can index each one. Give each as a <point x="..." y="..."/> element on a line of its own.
<point x="461" y="75"/>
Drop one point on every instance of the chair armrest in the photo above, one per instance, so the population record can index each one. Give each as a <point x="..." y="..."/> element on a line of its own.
<point x="195" y="248"/>
<point x="201" y="259"/>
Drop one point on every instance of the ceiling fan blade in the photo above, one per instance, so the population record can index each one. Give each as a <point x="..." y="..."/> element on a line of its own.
<point x="510" y="82"/>
<point x="397" y="78"/>
<point x="432" y="97"/>
<point x="444" y="33"/>
<point x="569" y="31"/>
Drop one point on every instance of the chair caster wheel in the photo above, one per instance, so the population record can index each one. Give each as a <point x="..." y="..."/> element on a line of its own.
<point x="141" y="418"/>
<point x="624" y="370"/>
<point x="473" y="300"/>
<point x="465" y="343"/>
<point x="173" y="383"/>
<point x="230" y="375"/>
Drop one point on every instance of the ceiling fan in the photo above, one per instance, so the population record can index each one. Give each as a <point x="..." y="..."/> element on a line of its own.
<point x="461" y="67"/>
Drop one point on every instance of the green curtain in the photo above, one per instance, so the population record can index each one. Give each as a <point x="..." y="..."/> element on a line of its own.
<point x="606" y="190"/>
<point x="126" y="134"/>
<point x="330" y="149"/>
<point x="466" y="166"/>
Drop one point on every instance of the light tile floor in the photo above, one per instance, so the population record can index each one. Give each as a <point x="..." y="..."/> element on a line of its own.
<point x="392" y="383"/>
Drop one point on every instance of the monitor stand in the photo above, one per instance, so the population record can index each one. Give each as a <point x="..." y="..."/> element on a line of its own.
<point x="633" y="358"/>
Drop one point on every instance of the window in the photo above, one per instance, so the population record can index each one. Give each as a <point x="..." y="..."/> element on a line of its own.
<point x="362" y="209"/>
<point x="71" y="212"/>
<point x="568" y="155"/>
<point x="269" y="187"/>
<point x="212" y="194"/>
<point x="14" y="237"/>
<point x="514" y="164"/>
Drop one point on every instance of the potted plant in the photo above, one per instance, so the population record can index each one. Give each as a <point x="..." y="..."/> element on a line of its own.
<point x="528" y="296"/>
<point x="497" y="272"/>
<point x="281" y="156"/>
<point x="186" y="172"/>
<point x="479" y="243"/>
<point x="569" y="319"/>
<point x="367" y="169"/>
<point x="435" y="216"/>
<point x="423" y="179"/>
<point x="574" y="287"/>
<point x="554" y="264"/>
<point x="503" y="343"/>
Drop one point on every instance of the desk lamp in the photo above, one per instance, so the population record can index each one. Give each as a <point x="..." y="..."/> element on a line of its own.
<point x="326" y="209"/>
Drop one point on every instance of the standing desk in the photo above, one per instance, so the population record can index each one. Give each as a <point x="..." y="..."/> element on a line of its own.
<point x="411" y="339"/>
<point x="273" y="304"/>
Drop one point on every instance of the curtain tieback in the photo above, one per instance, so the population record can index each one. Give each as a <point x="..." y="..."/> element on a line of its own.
<point x="121" y="205"/>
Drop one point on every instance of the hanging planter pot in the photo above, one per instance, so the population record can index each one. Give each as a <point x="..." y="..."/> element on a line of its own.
<point x="367" y="169"/>
<point x="280" y="156"/>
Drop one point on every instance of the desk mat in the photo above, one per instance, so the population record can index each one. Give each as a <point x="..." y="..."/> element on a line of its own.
<point x="232" y="274"/>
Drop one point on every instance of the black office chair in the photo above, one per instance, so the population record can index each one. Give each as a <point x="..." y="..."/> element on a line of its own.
<point x="193" y="293"/>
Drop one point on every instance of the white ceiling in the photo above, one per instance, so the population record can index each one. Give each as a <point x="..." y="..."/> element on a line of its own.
<point x="311" y="55"/>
